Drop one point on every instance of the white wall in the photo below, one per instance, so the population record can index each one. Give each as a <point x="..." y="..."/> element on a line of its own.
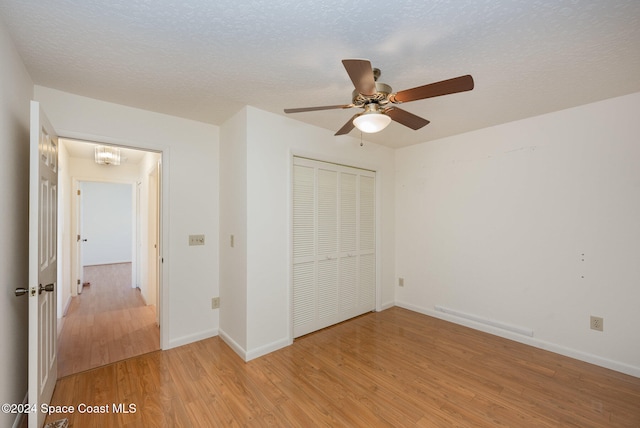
<point x="271" y="141"/>
<point x="190" y="198"/>
<point x="534" y="224"/>
<point x="233" y="221"/>
<point x="16" y="91"/>
<point x="107" y="223"/>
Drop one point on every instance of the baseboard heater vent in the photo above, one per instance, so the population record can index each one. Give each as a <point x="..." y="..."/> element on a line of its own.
<point x="486" y="321"/>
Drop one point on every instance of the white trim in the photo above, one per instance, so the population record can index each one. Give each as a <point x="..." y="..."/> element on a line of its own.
<point x="498" y="324"/>
<point x="265" y="349"/>
<point x="185" y="340"/>
<point x="124" y="262"/>
<point x="254" y="353"/>
<point x="135" y="263"/>
<point x="66" y="307"/>
<point x="536" y="343"/>
<point x="378" y="231"/>
<point x="92" y="138"/>
<point x="385" y="306"/>
<point x="165" y="244"/>
<point x="233" y="344"/>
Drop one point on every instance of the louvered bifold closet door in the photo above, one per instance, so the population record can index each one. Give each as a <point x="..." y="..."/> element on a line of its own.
<point x="367" y="245"/>
<point x="304" y="260"/>
<point x="334" y="272"/>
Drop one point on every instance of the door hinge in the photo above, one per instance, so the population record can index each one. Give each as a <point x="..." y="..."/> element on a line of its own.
<point x="78" y="282"/>
<point x="78" y="192"/>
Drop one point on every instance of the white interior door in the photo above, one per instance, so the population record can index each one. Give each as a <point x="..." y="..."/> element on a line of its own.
<point x="43" y="219"/>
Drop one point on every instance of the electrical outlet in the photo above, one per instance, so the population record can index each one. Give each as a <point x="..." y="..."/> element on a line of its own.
<point x="597" y="323"/>
<point x="215" y="303"/>
<point x="400" y="282"/>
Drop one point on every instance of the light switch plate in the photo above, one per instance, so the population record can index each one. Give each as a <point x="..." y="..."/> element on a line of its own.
<point x="196" y="240"/>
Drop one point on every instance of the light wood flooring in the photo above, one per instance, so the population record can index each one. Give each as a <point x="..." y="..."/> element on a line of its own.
<point x="108" y="322"/>
<point x="395" y="368"/>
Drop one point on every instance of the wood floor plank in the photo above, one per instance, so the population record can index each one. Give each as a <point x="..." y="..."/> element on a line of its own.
<point x="108" y="322"/>
<point x="394" y="368"/>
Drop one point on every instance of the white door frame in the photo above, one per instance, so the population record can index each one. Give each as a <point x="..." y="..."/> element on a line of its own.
<point x="77" y="197"/>
<point x="135" y="262"/>
<point x="153" y="237"/>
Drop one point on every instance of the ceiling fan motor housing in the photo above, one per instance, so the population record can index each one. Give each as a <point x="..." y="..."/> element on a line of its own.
<point x="380" y="97"/>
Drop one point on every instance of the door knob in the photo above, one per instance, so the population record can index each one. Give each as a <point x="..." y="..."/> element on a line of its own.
<point x="48" y="287"/>
<point x="21" y="291"/>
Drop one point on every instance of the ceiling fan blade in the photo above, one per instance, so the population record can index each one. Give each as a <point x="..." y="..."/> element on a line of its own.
<point x="303" y="109"/>
<point x="445" y="87"/>
<point x="361" y="75"/>
<point x="405" y="118"/>
<point x="347" y="126"/>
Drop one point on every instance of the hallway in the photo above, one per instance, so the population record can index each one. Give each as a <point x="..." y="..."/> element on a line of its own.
<point x="108" y="322"/>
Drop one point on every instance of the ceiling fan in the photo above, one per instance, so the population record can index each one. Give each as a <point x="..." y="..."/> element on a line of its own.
<point x="377" y="99"/>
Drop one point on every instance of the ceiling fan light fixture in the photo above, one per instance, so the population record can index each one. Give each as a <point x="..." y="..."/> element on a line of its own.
<point x="377" y="98"/>
<point x="107" y="155"/>
<point x="372" y="120"/>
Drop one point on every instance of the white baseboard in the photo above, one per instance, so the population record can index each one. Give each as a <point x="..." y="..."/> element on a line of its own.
<point x="66" y="306"/>
<point x="384" y="306"/>
<point x="64" y="314"/>
<point x="264" y="350"/>
<point x="233" y="345"/>
<point x="486" y="321"/>
<point x="144" y="296"/>
<point x="185" y="340"/>
<point x="527" y="340"/>
<point x="254" y="353"/>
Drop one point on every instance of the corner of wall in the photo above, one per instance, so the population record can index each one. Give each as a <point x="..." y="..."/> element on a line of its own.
<point x="16" y="88"/>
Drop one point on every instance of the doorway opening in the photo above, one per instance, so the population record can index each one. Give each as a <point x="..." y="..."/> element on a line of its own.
<point x="111" y="308"/>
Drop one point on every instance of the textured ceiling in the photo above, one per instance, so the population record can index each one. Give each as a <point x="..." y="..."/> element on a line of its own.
<point x="204" y="59"/>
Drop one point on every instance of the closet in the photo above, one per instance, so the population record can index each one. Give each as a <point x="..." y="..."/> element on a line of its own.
<point x="334" y="252"/>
